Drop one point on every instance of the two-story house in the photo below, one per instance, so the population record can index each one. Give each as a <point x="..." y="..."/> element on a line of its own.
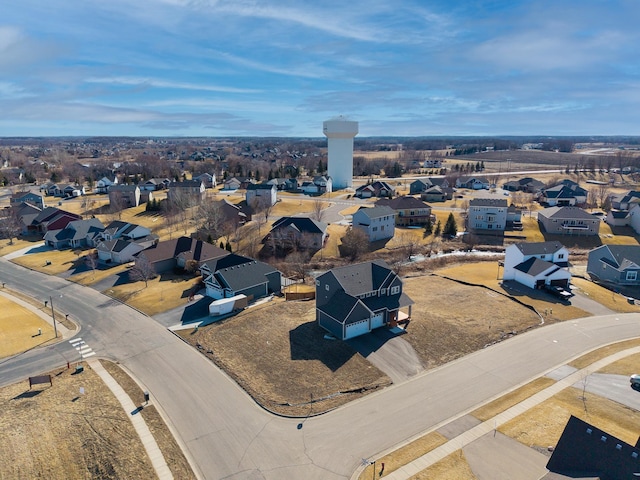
<point x="261" y="194"/>
<point x="487" y="214"/>
<point x="378" y="223"/>
<point x="537" y="264"/>
<point x="568" y="221"/>
<point x="615" y="265"/>
<point x="567" y="193"/>
<point x="355" y="299"/>
<point x="19" y="198"/>
<point x="124" y="195"/>
<point x="410" y="211"/>
<point x="191" y="191"/>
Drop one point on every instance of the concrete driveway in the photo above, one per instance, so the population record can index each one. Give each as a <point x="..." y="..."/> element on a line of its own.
<point x="390" y="353"/>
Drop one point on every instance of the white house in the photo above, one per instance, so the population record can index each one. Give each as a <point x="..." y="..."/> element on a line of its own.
<point x="377" y="222"/>
<point x="537" y="264"/>
<point x="263" y="192"/>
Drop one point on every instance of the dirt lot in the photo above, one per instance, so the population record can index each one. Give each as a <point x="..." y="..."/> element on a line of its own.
<point x="57" y="432"/>
<point x="278" y="354"/>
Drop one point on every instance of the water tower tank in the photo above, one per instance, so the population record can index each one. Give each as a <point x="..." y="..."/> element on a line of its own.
<point x="340" y="132"/>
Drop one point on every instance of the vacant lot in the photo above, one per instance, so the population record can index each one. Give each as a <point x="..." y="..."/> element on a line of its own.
<point x="58" y="432"/>
<point x="279" y="355"/>
<point x="19" y="329"/>
<point x="440" y="333"/>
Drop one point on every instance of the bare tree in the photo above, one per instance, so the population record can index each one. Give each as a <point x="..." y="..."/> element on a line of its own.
<point x="116" y="205"/>
<point x="299" y="264"/>
<point x="91" y="261"/>
<point x="142" y="271"/>
<point x="354" y="244"/>
<point x="10" y="226"/>
<point x="317" y="212"/>
<point x="210" y="221"/>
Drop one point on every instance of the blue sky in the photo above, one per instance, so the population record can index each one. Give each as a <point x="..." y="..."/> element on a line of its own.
<point x="279" y="68"/>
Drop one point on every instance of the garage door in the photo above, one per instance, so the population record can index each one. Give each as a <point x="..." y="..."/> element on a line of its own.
<point x="357" y="328"/>
<point x="560" y="283"/>
<point x="377" y="320"/>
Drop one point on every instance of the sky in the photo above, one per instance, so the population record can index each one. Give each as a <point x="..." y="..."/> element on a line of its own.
<point x="280" y="68"/>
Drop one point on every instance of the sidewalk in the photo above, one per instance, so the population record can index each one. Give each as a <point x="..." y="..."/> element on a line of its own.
<point x="150" y="445"/>
<point x="464" y="439"/>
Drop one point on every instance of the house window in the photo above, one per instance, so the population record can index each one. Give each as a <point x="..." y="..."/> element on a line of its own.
<point x="632" y="276"/>
<point x="383" y="291"/>
<point x="561" y="256"/>
<point x="375" y="229"/>
<point x="317" y="283"/>
<point x="382" y="228"/>
<point x="326" y="287"/>
<point x="395" y="290"/>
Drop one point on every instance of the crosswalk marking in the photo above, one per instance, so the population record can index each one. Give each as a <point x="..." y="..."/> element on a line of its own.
<point x="83" y="349"/>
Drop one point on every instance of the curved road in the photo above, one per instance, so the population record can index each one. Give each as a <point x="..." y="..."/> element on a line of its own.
<point x="228" y="436"/>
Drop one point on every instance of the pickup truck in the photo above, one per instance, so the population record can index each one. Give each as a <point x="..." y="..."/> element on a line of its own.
<point x="559" y="292"/>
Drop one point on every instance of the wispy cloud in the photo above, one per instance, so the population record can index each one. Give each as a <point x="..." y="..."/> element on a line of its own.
<point x="159" y="83"/>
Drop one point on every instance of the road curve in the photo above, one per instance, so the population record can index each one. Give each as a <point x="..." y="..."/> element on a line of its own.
<point x="229" y="436"/>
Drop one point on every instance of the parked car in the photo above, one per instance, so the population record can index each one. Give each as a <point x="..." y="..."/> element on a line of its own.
<point x="559" y="292"/>
<point x="635" y="381"/>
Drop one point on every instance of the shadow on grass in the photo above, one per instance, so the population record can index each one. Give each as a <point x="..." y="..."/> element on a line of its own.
<point x="307" y="343"/>
<point x="516" y="289"/>
<point x="28" y="394"/>
<point x="588" y="242"/>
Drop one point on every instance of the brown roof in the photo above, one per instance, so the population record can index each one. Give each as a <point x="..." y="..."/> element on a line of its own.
<point x="190" y="248"/>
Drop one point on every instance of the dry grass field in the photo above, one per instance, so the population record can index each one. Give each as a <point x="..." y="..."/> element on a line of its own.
<point x="279" y="355"/>
<point x="7" y="247"/>
<point x="163" y="293"/>
<point x="612" y="300"/>
<point x="19" y="329"/>
<point x="170" y="449"/>
<point x="57" y="432"/>
<point x="452" y="467"/>
<point x="627" y="366"/>
<point x="600" y="353"/>
<point x="405" y="455"/>
<point x="542" y="425"/>
<point x="52" y="262"/>
<point x="439" y="333"/>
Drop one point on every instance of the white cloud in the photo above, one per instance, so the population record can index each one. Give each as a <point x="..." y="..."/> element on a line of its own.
<point x="158" y="83"/>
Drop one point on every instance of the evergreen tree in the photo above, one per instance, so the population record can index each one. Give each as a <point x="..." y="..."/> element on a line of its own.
<point x="428" y="228"/>
<point x="438" y="228"/>
<point x="221" y="244"/>
<point x="257" y="176"/>
<point x="450" y="228"/>
<point x="228" y="247"/>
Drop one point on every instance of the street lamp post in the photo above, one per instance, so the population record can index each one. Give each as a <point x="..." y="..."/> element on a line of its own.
<point x="53" y="316"/>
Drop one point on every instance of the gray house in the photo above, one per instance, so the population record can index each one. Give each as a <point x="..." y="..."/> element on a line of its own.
<point x="355" y="299"/>
<point x="76" y="234"/>
<point x="377" y="222"/>
<point x="615" y="265"/>
<point x="568" y="221"/>
<point x="231" y="275"/>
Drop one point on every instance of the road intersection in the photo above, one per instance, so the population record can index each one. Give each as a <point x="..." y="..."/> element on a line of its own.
<point x="227" y="435"/>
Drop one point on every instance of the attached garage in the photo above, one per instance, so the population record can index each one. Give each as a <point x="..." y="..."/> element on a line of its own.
<point x="377" y="320"/>
<point x="357" y="328"/>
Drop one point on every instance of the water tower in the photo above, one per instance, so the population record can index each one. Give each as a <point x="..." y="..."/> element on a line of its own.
<point x="340" y="132"/>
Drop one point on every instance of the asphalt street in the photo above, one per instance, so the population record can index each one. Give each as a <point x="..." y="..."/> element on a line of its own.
<point x="228" y="436"/>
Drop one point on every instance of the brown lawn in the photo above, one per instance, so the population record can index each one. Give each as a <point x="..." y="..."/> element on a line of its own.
<point x="279" y="355"/>
<point x="542" y="425"/>
<point x="57" y="432"/>
<point x="19" y="329"/>
<point x="52" y="262"/>
<point x="452" y="467"/>
<point x="163" y="293"/>
<point x="440" y="333"/>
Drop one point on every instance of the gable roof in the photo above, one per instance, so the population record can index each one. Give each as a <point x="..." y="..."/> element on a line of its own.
<point x="377" y="211"/>
<point x="364" y="277"/>
<point x="566" y="213"/>
<point x="539" y="248"/>
<point x="245" y="275"/>
<point x="404" y="202"/>
<point x="625" y="256"/>
<point x="488" y="202"/>
<point x="302" y="224"/>
<point x="190" y="248"/>
<point x="76" y="230"/>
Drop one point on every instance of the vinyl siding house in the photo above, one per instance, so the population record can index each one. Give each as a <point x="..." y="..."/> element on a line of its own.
<point x="261" y="194"/>
<point x="378" y="188"/>
<point x="231" y="275"/>
<point x="125" y="195"/>
<point x="537" y="264"/>
<point x="527" y="184"/>
<point x="356" y="299"/>
<point x="615" y="265"/>
<point x="377" y="222"/>
<point x="76" y="234"/>
<point x="566" y="194"/>
<point x="209" y="179"/>
<point x="170" y="254"/>
<point x="423" y="184"/>
<point x="19" y="198"/>
<point x="409" y="210"/>
<point x="487" y="214"/>
<point x="473" y="183"/>
<point x="232" y="184"/>
<point x="103" y="185"/>
<point x="296" y="233"/>
<point x="568" y="221"/>
<point x="192" y="191"/>
<point x="120" y="250"/>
